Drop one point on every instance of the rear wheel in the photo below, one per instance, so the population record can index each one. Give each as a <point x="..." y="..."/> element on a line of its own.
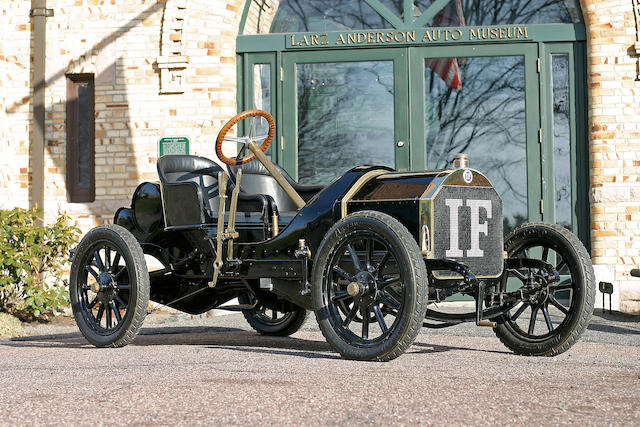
<point x="268" y="320"/>
<point x="553" y="313"/>
<point x="369" y="287"/>
<point x="109" y="286"/>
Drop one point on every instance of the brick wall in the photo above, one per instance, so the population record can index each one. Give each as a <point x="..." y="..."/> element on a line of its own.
<point x="119" y="41"/>
<point x="14" y="102"/>
<point x="614" y="133"/>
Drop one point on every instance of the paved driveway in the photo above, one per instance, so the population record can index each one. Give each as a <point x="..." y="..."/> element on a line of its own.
<point x="217" y="371"/>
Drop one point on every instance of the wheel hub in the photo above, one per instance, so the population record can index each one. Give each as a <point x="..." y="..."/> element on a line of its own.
<point x="105" y="286"/>
<point x="363" y="289"/>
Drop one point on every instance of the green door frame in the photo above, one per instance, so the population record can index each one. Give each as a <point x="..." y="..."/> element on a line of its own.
<point x="245" y="98"/>
<point x="540" y="42"/>
<point x="398" y="56"/>
<point x="579" y="143"/>
<point x="530" y="53"/>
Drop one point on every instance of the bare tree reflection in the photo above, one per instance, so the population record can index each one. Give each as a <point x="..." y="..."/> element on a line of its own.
<point x="327" y="15"/>
<point x="345" y="118"/>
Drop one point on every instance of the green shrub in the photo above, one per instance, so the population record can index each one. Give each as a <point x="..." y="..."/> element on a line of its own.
<point x="32" y="263"/>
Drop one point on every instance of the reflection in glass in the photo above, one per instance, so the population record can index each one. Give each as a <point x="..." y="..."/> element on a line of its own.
<point x="480" y="111"/>
<point x="503" y="12"/>
<point x="345" y="118"/>
<point x="325" y="15"/>
<point x="262" y="98"/>
<point x="561" y="140"/>
<point x="340" y="15"/>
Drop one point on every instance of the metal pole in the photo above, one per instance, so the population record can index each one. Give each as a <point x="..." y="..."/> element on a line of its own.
<point x="39" y="15"/>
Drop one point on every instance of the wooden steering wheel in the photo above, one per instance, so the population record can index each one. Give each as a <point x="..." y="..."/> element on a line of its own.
<point x="266" y="139"/>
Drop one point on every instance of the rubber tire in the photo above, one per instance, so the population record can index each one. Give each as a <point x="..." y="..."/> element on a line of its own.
<point x="289" y="327"/>
<point x="415" y="275"/>
<point x="578" y="320"/>
<point x="133" y="256"/>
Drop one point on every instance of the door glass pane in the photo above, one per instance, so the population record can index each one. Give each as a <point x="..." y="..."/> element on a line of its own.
<point x="477" y="106"/>
<point x="345" y="118"/>
<point x="502" y="12"/>
<point x="262" y="99"/>
<point x="325" y="15"/>
<point x="561" y="140"/>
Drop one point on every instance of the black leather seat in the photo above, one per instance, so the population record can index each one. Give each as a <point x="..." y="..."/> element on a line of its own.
<point x="256" y="179"/>
<point x="190" y="191"/>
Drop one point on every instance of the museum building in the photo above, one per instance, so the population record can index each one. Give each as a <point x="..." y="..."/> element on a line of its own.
<point x="543" y="95"/>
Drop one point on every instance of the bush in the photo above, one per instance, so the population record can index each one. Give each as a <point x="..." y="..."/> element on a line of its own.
<point x="32" y="263"/>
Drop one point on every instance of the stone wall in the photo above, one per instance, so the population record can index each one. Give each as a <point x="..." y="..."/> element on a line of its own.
<point x="614" y="134"/>
<point x="120" y="42"/>
<point x="15" y="104"/>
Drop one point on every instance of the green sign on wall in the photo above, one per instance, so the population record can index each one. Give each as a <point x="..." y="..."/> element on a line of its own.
<point x="173" y="145"/>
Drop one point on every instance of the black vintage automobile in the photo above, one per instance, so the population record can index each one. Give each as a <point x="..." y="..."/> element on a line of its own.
<point x="372" y="254"/>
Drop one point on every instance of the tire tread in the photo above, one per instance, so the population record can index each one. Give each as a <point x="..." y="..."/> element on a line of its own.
<point x="587" y="309"/>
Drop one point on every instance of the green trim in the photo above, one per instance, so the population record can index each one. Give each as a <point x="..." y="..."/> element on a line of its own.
<point x="245" y="97"/>
<point x="391" y="38"/>
<point x="243" y="19"/>
<point x="239" y="82"/>
<point x="431" y="11"/>
<point x="384" y="11"/>
<point x="408" y="11"/>
<point x="579" y="144"/>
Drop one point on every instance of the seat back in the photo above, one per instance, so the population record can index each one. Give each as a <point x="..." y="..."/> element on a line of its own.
<point x="257" y="180"/>
<point x="179" y="168"/>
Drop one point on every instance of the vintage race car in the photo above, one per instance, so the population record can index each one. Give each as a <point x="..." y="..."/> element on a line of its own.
<point x="372" y="254"/>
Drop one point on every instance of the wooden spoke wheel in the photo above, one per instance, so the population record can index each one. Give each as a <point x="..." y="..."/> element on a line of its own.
<point x="370" y="287"/>
<point x="554" y="311"/>
<point x="264" y="140"/>
<point x="109" y="286"/>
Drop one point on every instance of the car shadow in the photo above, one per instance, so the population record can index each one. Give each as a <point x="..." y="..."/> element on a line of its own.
<point x="214" y="337"/>
<point x="433" y="348"/>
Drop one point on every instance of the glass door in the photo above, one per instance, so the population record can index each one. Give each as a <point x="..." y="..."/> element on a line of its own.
<point x="564" y="143"/>
<point x="343" y="109"/>
<point x="483" y="101"/>
<point x="259" y="86"/>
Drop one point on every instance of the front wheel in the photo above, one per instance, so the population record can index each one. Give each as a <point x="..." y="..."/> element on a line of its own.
<point x="109" y="286"/>
<point x="554" y="312"/>
<point x="369" y="287"/>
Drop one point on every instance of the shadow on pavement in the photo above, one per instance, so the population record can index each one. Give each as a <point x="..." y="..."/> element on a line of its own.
<point x="433" y="348"/>
<point x="616" y="316"/>
<point x="212" y="337"/>
<point x="615" y="323"/>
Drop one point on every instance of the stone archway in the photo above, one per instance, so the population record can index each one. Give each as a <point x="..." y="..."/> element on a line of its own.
<point x="614" y="143"/>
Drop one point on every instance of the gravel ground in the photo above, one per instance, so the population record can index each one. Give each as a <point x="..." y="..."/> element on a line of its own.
<point x="199" y="370"/>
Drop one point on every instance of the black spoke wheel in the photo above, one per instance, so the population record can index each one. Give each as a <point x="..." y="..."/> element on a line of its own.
<point x="369" y="287"/>
<point x="268" y="319"/>
<point x="109" y="286"/>
<point x="555" y="310"/>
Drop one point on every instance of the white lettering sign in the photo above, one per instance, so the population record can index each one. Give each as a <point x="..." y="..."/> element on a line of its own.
<point x="454" y="206"/>
<point x="477" y="227"/>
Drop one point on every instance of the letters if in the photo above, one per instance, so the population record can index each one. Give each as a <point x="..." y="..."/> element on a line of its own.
<point x="453" y="251"/>
<point x="477" y="227"/>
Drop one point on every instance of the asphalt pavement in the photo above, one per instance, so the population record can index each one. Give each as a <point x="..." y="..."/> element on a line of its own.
<point x="217" y="371"/>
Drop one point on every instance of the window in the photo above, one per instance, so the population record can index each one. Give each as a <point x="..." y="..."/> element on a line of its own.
<point x="288" y="16"/>
<point x="80" y="138"/>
